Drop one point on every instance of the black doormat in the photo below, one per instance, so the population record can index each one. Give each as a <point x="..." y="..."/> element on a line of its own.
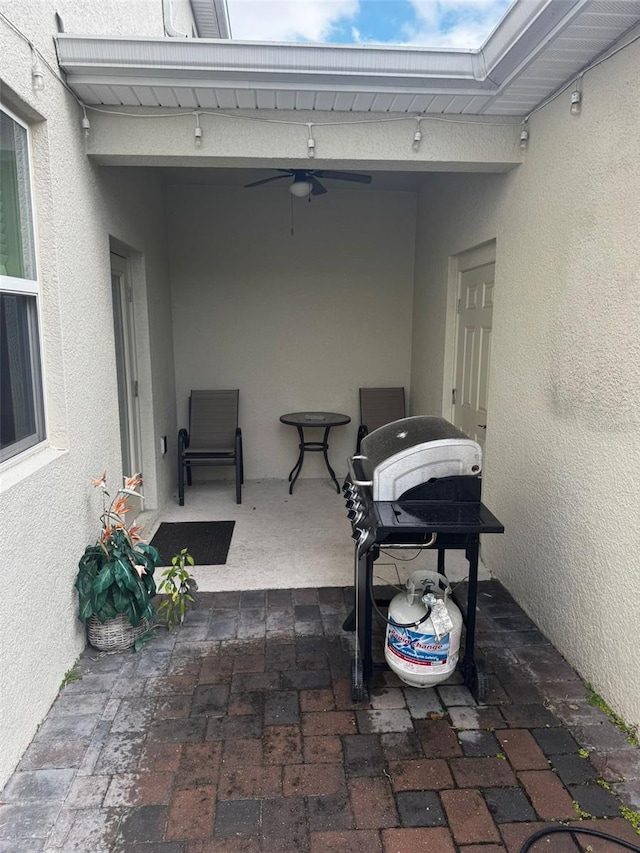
<point x="207" y="541"/>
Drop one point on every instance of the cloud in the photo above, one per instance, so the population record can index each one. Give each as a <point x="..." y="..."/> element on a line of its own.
<point x="289" y="20"/>
<point x="429" y="23"/>
<point x="453" y="23"/>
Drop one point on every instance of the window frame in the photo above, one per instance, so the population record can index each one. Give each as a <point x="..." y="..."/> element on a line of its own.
<point x="31" y="288"/>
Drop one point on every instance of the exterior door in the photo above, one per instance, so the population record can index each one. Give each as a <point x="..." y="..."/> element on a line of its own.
<point x="473" y="350"/>
<point x="127" y="370"/>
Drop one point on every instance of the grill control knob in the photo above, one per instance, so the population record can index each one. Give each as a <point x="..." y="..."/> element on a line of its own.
<point x="351" y="514"/>
<point x="349" y="504"/>
<point x="357" y="533"/>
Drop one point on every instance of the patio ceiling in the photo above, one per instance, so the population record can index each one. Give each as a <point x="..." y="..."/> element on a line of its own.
<point x="538" y="46"/>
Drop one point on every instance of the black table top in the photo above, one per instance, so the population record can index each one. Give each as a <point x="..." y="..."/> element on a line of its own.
<point x="317" y="419"/>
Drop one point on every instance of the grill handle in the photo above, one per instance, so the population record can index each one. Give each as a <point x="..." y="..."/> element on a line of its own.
<point x="352" y="473"/>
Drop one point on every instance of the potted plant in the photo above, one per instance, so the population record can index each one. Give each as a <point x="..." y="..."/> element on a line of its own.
<point x="179" y="587"/>
<point x="115" y="575"/>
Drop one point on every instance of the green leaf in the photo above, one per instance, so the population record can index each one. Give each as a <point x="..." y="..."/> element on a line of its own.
<point x="104" y="579"/>
<point x="85" y="610"/>
<point x="142" y="640"/>
<point x="124" y="575"/>
<point x="120" y="600"/>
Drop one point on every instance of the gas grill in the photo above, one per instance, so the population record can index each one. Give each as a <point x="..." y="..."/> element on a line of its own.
<point x="415" y="485"/>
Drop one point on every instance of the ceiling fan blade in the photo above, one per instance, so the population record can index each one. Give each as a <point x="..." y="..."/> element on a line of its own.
<point x="344" y="176"/>
<point x="266" y="181"/>
<point x="316" y="186"/>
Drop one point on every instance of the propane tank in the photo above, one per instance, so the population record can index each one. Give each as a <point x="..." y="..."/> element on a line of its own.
<point x="426" y="652"/>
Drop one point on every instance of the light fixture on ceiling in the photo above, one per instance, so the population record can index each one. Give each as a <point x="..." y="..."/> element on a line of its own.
<point x="300" y="189"/>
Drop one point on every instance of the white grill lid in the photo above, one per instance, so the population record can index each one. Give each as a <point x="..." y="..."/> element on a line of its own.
<point x="412" y="451"/>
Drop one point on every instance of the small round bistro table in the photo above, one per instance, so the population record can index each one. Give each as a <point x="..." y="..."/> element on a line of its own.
<point x="322" y="420"/>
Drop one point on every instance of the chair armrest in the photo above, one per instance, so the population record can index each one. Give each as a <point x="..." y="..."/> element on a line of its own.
<point x="183" y="440"/>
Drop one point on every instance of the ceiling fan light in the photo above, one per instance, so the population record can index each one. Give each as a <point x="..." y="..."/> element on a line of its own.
<point x="300" y="189"/>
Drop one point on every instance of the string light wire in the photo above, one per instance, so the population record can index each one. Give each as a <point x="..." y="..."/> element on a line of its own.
<point x="607" y="54"/>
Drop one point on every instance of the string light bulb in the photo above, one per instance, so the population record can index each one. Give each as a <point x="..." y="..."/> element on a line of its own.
<point x="417" y="137"/>
<point x="576" y="98"/>
<point x="37" y="72"/>
<point x="198" y="131"/>
<point x="86" y="124"/>
<point x="311" y="143"/>
<point x="524" y="135"/>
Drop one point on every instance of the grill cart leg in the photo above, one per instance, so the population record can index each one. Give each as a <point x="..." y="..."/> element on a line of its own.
<point x="360" y="621"/>
<point x="473" y="671"/>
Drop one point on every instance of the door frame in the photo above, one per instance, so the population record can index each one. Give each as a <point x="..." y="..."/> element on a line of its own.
<point x="485" y="253"/>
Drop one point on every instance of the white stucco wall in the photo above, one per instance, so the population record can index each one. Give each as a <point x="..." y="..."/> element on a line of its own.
<point x="343" y="140"/>
<point x="132" y="18"/>
<point x="295" y="322"/>
<point x="49" y="511"/>
<point x="563" y="442"/>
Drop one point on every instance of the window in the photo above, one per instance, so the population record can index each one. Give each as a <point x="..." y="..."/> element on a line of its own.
<point x="21" y="397"/>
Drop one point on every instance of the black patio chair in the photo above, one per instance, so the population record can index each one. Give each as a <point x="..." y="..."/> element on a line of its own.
<point x="379" y="406"/>
<point x="213" y="437"/>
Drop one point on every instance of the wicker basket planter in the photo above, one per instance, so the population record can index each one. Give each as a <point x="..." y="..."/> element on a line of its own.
<point x="114" y="635"/>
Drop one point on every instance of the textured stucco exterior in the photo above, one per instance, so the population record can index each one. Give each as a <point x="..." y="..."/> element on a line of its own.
<point x="563" y="443"/>
<point x="49" y="512"/>
<point x="342" y="140"/>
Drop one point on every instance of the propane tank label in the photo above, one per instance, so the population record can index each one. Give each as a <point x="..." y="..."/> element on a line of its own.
<point x="414" y="647"/>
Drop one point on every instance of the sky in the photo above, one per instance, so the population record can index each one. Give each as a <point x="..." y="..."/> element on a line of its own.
<point x="426" y="23"/>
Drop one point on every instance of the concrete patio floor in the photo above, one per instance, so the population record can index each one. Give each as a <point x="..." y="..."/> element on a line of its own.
<point x="236" y="734"/>
<point x="282" y="540"/>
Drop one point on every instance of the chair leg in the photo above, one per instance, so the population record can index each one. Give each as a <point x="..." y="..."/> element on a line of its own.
<point x="189" y="474"/>
<point x="238" y="480"/>
<point x="180" y="479"/>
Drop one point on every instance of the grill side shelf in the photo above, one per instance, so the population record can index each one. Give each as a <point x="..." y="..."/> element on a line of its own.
<point x="405" y="517"/>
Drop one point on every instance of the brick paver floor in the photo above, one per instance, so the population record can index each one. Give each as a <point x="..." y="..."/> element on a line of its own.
<point x="236" y="734"/>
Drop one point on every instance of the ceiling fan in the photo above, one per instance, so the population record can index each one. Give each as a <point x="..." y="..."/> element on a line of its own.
<point x="305" y="181"/>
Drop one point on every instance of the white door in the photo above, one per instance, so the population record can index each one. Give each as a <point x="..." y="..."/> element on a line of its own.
<point x="473" y="350"/>
<point x="127" y="369"/>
